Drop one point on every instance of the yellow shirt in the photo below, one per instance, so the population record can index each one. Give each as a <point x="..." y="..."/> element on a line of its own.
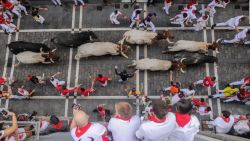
<point x="228" y="91"/>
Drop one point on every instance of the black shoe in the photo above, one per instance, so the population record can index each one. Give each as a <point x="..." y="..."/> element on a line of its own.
<point x="214" y="25"/>
<point x="210" y="96"/>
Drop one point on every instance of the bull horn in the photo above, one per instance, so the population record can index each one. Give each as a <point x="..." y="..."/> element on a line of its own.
<point x="44" y="41"/>
<point x="53" y="50"/>
<point x="182" y="70"/>
<point x="123" y="54"/>
<point x="217" y="40"/>
<point x="51" y="60"/>
<point x="169" y="41"/>
<point x="182" y="59"/>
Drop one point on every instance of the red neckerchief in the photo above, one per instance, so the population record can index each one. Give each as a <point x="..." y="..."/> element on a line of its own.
<point x="57" y="126"/>
<point x="122" y="118"/>
<point x="154" y="119"/>
<point x="81" y="130"/>
<point x="248" y="124"/>
<point x="206" y="111"/>
<point x="226" y="119"/>
<point x="182" y="119"/>
<point x="41" y="124"/>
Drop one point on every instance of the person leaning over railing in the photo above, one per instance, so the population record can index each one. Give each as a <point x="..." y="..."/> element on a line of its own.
<point x="7" y="132"/>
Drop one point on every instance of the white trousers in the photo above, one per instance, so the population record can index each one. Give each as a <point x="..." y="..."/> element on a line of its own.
<point x="219" y="95"/>
<point x="40" y="19"/>
<point x="22" y="8"/>
<point x="133" y="23"/>
<point x="57" y="2"/>
<point x="166" y="7"/>
<point x="15" y="10"/>
<point x="114" y="21"/>
<point x="81" y="1"/>
<point x="150" y="24"/>
<point x="178" y="21"/>
<point x="234" y="98"/>
<point x="241" y="82"/>
<point x="9" y="28"/>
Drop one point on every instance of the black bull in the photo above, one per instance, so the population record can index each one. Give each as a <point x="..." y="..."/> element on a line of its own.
<point x="21" y="46"/>
<point x="73" y="40"/>
<point x="194" y="58"/>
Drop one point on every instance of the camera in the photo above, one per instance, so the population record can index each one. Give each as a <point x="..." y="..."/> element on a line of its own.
<point x="4" y="112"/>
<point x="76" y="106"/>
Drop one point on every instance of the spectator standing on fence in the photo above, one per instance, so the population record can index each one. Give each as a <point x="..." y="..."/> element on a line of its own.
<point x="123" y="120"/>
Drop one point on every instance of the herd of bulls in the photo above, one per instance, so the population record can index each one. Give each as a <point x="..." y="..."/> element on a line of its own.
<point x="193" y="52"/>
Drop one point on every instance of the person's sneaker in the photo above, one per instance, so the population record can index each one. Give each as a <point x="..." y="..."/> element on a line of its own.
<point x="212" y="27"/>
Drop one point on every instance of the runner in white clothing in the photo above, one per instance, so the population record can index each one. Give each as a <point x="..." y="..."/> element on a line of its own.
<point x="83" y="130"/>
<point x="114" y="15"/>
<point x="57" y="2"/>
<point x="159" y="125"/>
<point x="223" y="123"/>
<point x="187" y="125"/>
<point x="232" y="22"/>
<point x="211" y="7"/>
<point x="240" y="37"/>
<point x="125" y="122"/>
<point x="180" y="19"/>
<point x="188" y="91"/>
<point x="135" y="18"/>
<point x="201" y="22"/>
<point x="167" y="5"/>
<point x="18" y="4"/>
<point x="55" y="81"/>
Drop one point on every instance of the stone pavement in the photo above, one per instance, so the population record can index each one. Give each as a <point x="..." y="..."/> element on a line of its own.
<point x="233" y="61"/>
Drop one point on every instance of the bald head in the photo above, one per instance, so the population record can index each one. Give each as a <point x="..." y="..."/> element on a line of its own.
<point x="124" y="109"/>
<point x="81" y="118"/>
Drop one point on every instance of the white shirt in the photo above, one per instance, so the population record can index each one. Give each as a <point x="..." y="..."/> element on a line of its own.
<point x="188" y="92"/>
<point x="133" y="17"/>
<point x="202" y="111"/>
<point x="242" y="127"/>
<point x="242" y="35"/>
<point x="187" y="132"/>
<point x="221" y="126"/>
<point x="94" y="133"/>
<point x="234" y="21"/>
<point x="23" y="92"/>
<point x="152" y="131"/>
<point x="114" y="16"/>
<point x="124" y="130"/>
<point x="214" y="4"/>
<point x="43" y="125"/>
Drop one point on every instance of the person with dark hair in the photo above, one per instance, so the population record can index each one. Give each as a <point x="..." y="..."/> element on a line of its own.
<point x="103" y="80"/>
<point x="148" y="21"/>
<point x="233" y="23"/>
<point x="199" y="102"/>
<point x="64" y="90"/>
<point x="174" y="88"/>
<point x="160" y="123"/>
<point x="85" y="91"/>
<point x="51" y="124"/>
<point x="123" y="120"/>
<point x="204" y="110"/>
<point x="135" y="18"/>
<point x="187" y="124"/>
<point x="188" y="91"/>
<point x="36" y="16"/>
<point x="240" y="37"/>
<point x="223" y="123"/>
<point x="180" y="19"/>
<point x="208" y="81"/>
<point x="134" y="92"/>
<point x="36" y="79"/>
<point x="124" y="75"/>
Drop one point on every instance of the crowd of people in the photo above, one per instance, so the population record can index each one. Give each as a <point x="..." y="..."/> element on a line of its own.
<point x="172" y="117"/>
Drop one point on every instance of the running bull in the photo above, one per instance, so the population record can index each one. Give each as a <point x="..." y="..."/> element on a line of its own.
<point x="100" y="49"/>
<point x="157" y="65"/>
<point x="194" y="58"/>
<point x="21" y="46"/>
<point x="73" y="40"/>
<point x="193" y="46"/>
<point x="140" y="37"/>
<point x="28" y="57"/>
